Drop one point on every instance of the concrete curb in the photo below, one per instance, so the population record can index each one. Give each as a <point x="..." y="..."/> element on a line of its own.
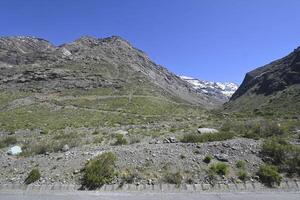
<point x="241" y="187"/>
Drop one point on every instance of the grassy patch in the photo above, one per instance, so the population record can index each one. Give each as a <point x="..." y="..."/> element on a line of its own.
<point x="241" y="164"/>
<point x="120" y="140"/>
<point x="207" y="159"/>
<point x="268" y="174"/>
<point x="243" y="175"/>
<point x="7" y="141"/>
<point x="200" y="138"/>
<point x="173" y="178"/>
<point x="220" y="169"/>
<point x="282" y="154"/>
<point x="32" y="177"/>
<point x="99" y="171"/>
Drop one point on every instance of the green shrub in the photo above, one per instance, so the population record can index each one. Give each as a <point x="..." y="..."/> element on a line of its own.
<point x="241" y="164"/>
<point x="120" y="140"/>
<point x="98" y="139"/>
<point x="9" y="140"/>
<point x="200" y="138"/>
<point x="207" y="159"/>
<point x="243" y="175"/>
<point x="33" y="176"/>
<point x="261" y="129"/>
<point x="268" y="174"/>
<point x="99" y="171"/>
<point x="173" y="178"/>
<point x="276" y="148"/>
<point x="219" y="168"/>
<point x="282" y="154"/>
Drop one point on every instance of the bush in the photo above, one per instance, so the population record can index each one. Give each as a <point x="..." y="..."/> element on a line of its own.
<point x="200" y="138"/>
<point x="5" y="142"/>
<point x="243" y="175"/>
<point x="173" y="178"/>
<point x="282" y="154"/>
<point x="219" y="168"/>
<point x="207" y="159"/>
<point x="276" y="148"/>
<point x="268" y="174"/>
<point x="33" y="176"/>
<point x="241" y="164"/>
<point x="261" y="129"/>
<point x="99" y="171"/>
<point x="120" y="140"/>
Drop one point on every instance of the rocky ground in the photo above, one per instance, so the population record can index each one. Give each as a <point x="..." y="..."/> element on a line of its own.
<point x="148" y="161"/>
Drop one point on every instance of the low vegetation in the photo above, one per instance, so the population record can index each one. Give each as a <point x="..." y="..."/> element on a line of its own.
<point x="120" y="140"/>
<point x="33" y="176"/>
<point x="281" y="153"/>
<point x="219" y="168"/>
<point x="173" y="178"/>
<point x="7" y="141"/>
<point x="242" y="173"/>
<point x="201" y="138"/>
<point x="99" y="171"/>
<point x="241" y="164"/>
<point x="207" y="159"/>
<point x="268" y="174"/>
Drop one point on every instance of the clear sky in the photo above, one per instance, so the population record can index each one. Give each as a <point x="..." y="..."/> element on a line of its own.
<point x="217" y="40"/>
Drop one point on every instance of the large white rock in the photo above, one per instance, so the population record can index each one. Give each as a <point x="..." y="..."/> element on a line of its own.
<point x="122" y="132"/>
<point x="15" y="150"/>
<point x="207" y="130"/>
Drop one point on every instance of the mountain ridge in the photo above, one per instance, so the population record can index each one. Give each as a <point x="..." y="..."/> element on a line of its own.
<point x="271" y="89"/>
<point x="98" y="61"/>
<point x="222" y="91"/>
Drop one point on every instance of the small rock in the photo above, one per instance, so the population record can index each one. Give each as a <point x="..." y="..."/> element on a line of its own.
<point x="166" y="140"/>
<point x="76" y="171"/>
<point x="169" y="140"/>
<point x="221" y="157"/>
<point x="150" y="182"/>
<point x="65" y="148"/>
<point x="15" y="150"/>
<point x="172" y="139"/>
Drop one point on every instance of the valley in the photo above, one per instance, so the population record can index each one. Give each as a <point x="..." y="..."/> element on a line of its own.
<point x="104" y="101"/>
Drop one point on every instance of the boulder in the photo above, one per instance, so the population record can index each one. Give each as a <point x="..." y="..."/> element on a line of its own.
<point x="121" y="132"/>
<point x="207" y="130"/>
<point x="15" y="150"/>
<point x="221" y="157"/>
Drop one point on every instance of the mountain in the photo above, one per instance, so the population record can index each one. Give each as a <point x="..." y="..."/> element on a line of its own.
<point x="34" y="64"/>
<point x="273" y="89"/>
<point x="89" y="82"/>
<point x="221" y="91"/>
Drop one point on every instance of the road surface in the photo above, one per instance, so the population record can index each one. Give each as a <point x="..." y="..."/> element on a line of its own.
<point x="19" y="195"/>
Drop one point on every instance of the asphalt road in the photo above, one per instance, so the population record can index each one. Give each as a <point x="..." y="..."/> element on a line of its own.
<point x="147" y="196"/>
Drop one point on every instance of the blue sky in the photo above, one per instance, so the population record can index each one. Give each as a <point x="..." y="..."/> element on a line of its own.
<point x="209" y="39"/>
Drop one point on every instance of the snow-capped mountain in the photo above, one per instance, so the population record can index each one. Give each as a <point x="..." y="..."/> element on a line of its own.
<point x="223" y="91"/>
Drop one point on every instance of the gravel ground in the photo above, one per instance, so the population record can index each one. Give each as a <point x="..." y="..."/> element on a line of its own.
<point x="149" y="160"/>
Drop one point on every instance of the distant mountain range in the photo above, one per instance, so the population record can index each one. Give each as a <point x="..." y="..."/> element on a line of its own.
<point x="222" y="91"/>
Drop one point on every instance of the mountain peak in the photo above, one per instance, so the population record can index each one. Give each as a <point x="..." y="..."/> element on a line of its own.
<point x="222" y="91"/>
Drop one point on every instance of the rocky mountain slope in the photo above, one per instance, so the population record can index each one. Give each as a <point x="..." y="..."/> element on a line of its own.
<point x="33" y="64"/>
<point x="271" y="89"/>
<point x="222" y="91"/>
